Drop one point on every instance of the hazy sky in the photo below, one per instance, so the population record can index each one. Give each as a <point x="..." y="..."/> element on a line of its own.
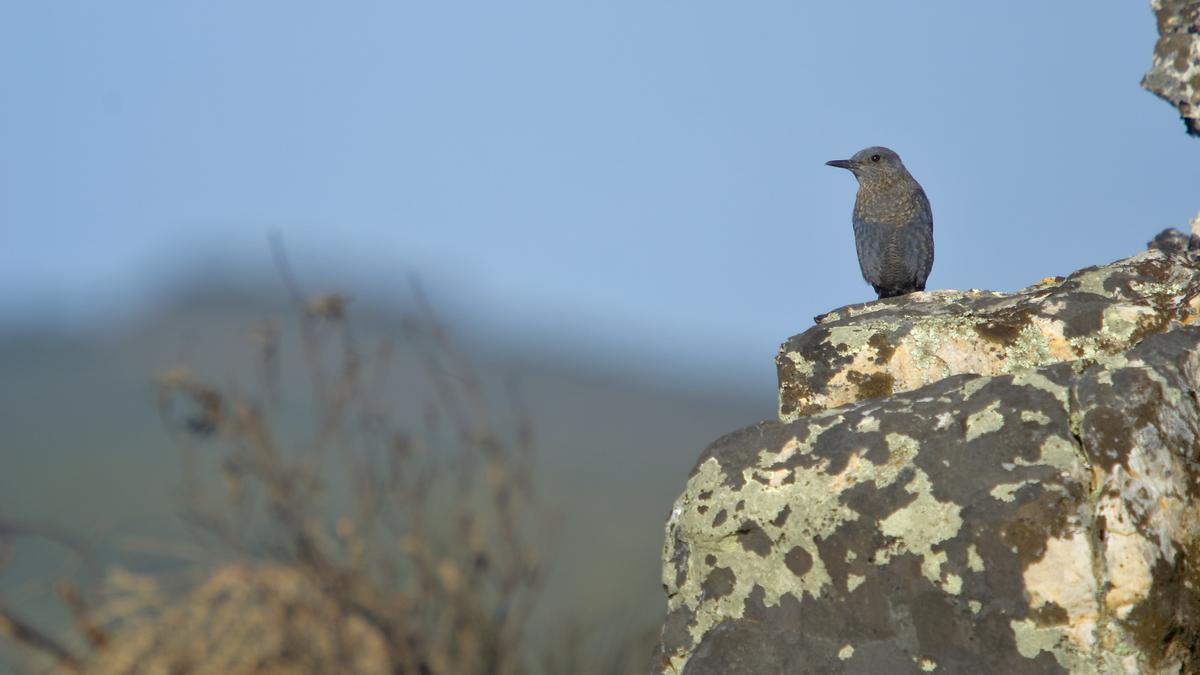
<point x="645" y="173"/>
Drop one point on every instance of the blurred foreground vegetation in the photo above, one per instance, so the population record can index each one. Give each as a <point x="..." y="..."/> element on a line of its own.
<point x="370" y="504"/>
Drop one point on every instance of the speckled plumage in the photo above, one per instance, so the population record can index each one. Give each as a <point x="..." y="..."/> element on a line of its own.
<point x="893" y="224"/>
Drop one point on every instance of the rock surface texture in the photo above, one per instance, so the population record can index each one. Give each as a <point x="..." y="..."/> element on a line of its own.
<point x="962" y="483"/>
<point x="1174" y="74"/>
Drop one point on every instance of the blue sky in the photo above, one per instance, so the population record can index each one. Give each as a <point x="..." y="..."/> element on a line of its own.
<point x="648" y="175"/>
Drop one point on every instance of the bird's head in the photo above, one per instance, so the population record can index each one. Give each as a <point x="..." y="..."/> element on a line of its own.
<point x="873" y="163"/>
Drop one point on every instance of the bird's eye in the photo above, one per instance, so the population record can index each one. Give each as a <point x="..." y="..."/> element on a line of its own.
<point x="874" y="158"/>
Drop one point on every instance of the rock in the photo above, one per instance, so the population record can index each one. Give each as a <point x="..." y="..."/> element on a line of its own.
<point x="880" y="348"/>
<point x="1021" y="496"/>
<point x="1174" y="74"/>
<point x="1044" y="521"/>
<point x="1173" y="242"/>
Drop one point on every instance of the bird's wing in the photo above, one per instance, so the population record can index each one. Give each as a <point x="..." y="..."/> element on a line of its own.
<point x="924" y="234"/>
<point x="870" y="241"/>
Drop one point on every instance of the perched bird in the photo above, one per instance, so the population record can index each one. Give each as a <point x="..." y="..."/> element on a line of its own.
<point x="893" y="225"/>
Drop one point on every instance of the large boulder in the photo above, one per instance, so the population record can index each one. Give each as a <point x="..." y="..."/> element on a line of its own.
<point x="1021" y="497"/>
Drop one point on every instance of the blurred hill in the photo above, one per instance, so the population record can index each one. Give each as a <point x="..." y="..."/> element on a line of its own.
<point x="615" y="433"/>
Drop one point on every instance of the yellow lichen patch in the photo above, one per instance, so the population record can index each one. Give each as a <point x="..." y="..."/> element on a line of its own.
<point x="1033" y="639"/>
<point x="901" y="451"/>
<point x="1035" y="416"/>
<point x="984" y="422"/>
<point x="1061" y="454"/>
<point x="953" y="583"/>
<point x="1039" y="381"/>
<point x="867" y="424"/>
<point x="776" y="477"/>
<point x="972" y="386"/>
<point x="1007" y="492"/>
<point x="1092" y="281"/>
<point x="921" y="525"/>
<point x="974" y="562"/>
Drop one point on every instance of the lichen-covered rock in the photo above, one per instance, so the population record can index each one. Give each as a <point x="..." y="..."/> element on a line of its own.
<point x="1174" y="74"/>
<point x="1043" y="521"/>
<point x="880" y="348"/>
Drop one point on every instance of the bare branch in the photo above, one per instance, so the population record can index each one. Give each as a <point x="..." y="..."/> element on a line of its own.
<point x="25" y="633"/>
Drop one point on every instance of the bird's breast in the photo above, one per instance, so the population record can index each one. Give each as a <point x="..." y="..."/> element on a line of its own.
<point x="894" y="208"/>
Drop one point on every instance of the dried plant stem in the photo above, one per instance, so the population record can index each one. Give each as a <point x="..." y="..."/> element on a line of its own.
<point x="30" y="636"/>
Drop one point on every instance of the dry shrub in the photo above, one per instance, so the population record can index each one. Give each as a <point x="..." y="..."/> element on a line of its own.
<point x="358" y="545"/>
<point x="248" y="619"/>
<point x="428" y="542"/>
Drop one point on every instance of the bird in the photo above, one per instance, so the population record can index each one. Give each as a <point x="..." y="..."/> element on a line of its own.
<point x="893" y="224"/>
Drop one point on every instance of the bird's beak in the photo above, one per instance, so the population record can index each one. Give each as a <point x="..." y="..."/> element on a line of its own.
<point x="841" y="163"/>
